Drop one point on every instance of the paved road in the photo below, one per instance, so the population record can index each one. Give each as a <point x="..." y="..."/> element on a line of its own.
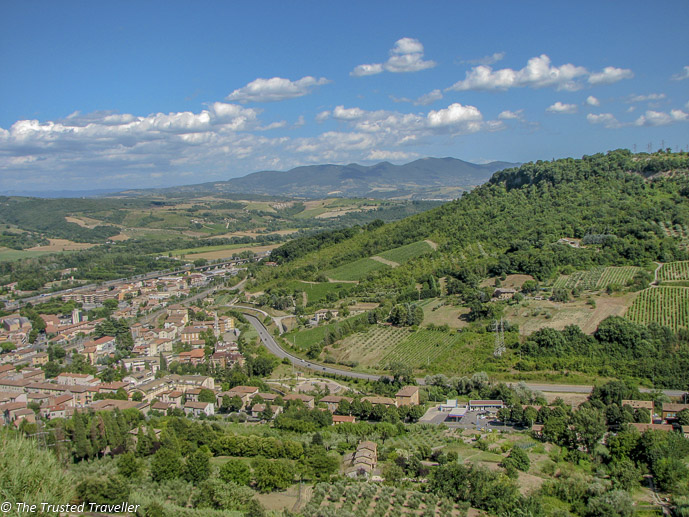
<point x="277" y="350"/>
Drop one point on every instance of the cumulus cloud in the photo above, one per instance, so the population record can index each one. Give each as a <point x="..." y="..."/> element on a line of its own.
<point x="275" y="89"/>
<point x="559" y="107"/>
<point x="429" y="98"/>
<point x="453" y="115"/>
<point x="405" y="56"/>
<point x="610" y="75"/>
<point x="684" y="74"/>
<point x="660" y="118"/>
<point x="592" y="101"/>
<point x="645" y="98"/>
<point x="511" y="115"/>
<point x="607" y="120"/>
<point x="538" y="73"/>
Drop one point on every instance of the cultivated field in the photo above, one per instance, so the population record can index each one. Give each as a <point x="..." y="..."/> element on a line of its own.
<point x="597" y="278"/>
<point x="680" y="232"/>
<point x="673" y="271"/>
<point x="668" y="306"/>
<point x="355" y="270"/>
<point x="404" y="253"/>
<point x="57" y="245"/>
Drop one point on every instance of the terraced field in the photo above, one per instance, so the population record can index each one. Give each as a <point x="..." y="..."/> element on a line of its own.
<point x="665" y="305"/>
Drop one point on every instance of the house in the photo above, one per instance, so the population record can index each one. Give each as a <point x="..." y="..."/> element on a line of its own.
<point x="258" y="409"/>
<point x="342" y="419"/>
<point x="670" y="410"/>
<point x="193" y="357"/>
<point x="407" y="396"/>
<point x="76" y="379"/>
<point x="504" y="293"/>
<point x="333" y="401"/>
<point x="39" y="359"/>
<point x="197" y="409"/>
<point x="245" y="393"/>
<point x="685" y="431"/>
<point x="641" y="404"/>
<point x="364" y="460"/>
<point x="308" y="400"/>
<point x="267" y="397"/>
<point x="381" y="401"/>
<point x="160" y="406"/>
<point x="173" y="398"/>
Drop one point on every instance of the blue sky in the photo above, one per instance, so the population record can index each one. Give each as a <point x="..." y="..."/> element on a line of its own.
<point x="136" y="94"/>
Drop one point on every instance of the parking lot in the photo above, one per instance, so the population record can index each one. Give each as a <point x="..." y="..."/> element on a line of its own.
<point x="476" y="420"/>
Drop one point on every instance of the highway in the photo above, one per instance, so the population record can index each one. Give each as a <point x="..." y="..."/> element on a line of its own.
<point x="277" y="350"/>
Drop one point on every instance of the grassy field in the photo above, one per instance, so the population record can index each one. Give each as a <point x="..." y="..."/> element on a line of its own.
<point x="404" y="253"/>
<point x="355" y="270"/>
<point x="668" y="306"/>
<point x="437" y="313"/>
<point x="10" y="255"/>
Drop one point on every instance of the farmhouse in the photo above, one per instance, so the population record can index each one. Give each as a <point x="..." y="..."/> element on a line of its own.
<point x="408" y="396"/>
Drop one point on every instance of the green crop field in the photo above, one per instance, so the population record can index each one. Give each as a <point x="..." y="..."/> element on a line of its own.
<point x="315" y="292"/>
<point x="10" y="255"/>
<point x="668" y="306"/>
<point x="355" y="270"/>
<point x="597" y="278"/>
<point x="404" y="253"/>
<point x="673" y="271"/>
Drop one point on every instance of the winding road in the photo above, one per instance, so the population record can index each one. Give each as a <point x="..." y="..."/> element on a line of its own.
<point x="274" y="348"/>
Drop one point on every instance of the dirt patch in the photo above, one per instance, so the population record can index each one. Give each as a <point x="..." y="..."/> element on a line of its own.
<point x="529" y="483"/>
<point x="608" y="306"/>
<point x="571" y="399"/>
<point x="343" y="211"/>
<point x="431" y="244"/>
<point x="439" y="314"/>
<point x="84" y="222"/>
<point x="120" y="237"/>
<point x="384" y="261"/>
<point x="253" y="233"/>
<point x="62" y="245"/>
<point x="280" y="500"/>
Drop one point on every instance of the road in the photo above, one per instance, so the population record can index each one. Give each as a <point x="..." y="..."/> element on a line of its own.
<point x="277" y="350"/>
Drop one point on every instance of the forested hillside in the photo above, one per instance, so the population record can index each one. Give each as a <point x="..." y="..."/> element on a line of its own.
<point x="615" y="203"/>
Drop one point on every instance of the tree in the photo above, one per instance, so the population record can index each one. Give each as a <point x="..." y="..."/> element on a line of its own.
<point x="128" y="466"/>
<point x="272" y="475"/>
<point x="589" y="425"/>
<point x="611" y="504"/>
<point x="520" y="458"/>
<point x="683" y="417"/>
<point x="207" y="395"/>
<point x="235" y="471"/>
<point x="110" y="490"/>
<point x="166" y="464"/>
<point x="198" y="467"/>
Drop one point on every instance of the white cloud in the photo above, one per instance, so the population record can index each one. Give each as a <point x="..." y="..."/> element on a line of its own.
<point x="607" y="120"/>
<point x="660" y="118"/>
<point x="610" y="75"/>
<point x="487" y="60"/>
<point x="538" y="73"/>
<point x="644" y="98"/>
<point x="429" y="98"/>
<point x="405" y="56"/>
<point x="684" y="74"/>
<point x="383" y="155"/>
<point x="592" y="101"/>
<point x="559" y="107"/>
<point x="362" y="70"/>
<point x="275" y="89"/>
<point x="455" y="114"/>
<point x="511" y="115"/>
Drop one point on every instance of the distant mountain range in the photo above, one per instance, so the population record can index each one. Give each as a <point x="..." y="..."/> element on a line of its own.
<point x="427" y="178"/>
